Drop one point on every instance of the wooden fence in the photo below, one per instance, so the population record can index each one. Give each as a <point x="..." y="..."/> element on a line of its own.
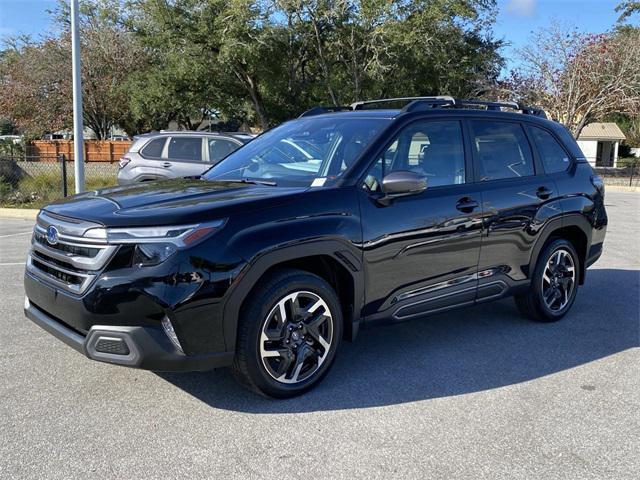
<point x="94" y="150"/>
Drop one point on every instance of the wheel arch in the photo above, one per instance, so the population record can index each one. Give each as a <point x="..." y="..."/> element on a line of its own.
<point x="330" y="260"/>
<point x="575" y="229"/>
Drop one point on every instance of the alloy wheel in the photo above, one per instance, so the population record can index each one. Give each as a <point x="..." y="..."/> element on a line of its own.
<point x="558" y="280"/>
<point x="296" y="337"/>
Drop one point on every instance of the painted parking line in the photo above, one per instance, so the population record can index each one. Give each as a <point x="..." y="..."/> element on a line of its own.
<point x="15" y="234"/>
<point x="10" y="264"/>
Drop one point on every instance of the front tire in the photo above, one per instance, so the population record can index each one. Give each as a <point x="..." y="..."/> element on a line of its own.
<point x="288" y="334"/>
<point x="554" y="283"/>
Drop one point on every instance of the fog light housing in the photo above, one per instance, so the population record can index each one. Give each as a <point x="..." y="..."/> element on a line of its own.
<point x="171" y="333"/>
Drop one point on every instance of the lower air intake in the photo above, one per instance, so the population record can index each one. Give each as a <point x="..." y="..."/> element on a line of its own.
<point x="113" y="346"/>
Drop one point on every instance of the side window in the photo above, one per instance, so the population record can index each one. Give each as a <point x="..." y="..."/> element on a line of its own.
<point x="554" y="157"/>
<point x="433" y="149"/>
<point x="153" y="149"/>
<point x="185" y="148"/>
<point x="502" y="150"/>
<point x="219" y="148"/>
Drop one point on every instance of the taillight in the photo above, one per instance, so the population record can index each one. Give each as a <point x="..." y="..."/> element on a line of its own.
<point x="123" y="162"/>
<point x="598" y="182"/>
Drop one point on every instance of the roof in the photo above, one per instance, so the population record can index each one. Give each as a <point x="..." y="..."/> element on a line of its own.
<point x="601" y="131"/>
<point x="392" y="114"/>
<point x="243" y="136"/>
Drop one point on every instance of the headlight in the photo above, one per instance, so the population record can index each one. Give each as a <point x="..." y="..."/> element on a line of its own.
<point x="154" y="245"/>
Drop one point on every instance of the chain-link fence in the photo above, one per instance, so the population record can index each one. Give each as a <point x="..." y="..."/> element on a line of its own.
<point x="31" y="182"/>
<point x="627" y="176"/>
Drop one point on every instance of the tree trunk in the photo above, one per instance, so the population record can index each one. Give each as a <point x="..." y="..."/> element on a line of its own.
<point x="323" y="62"/>
<point x="250" y="84"/>
<point x="256" y="98"/>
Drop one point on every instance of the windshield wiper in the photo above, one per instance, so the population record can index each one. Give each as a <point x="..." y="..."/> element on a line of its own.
<point x="254" y="181"/>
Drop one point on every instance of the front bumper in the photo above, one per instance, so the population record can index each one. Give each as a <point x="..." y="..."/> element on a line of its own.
<point x="144" y="347"/>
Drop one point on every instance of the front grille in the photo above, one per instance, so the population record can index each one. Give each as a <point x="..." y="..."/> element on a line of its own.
<point x="71" y="261"/>
<point x="66" y="248"/>
<point x="58" y="273"/>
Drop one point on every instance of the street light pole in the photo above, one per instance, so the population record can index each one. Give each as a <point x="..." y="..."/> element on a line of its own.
<point x="78" y="141"/>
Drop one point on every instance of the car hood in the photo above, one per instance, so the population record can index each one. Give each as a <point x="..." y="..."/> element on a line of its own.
<point x="171" y="202"/>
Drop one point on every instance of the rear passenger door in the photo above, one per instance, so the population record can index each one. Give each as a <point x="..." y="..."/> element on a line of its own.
<point x="517" y="199"/>
<point x="185" y="156"/>
<point x="148" y="164"/>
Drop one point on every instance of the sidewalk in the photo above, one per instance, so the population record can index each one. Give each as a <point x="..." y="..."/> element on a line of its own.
<point x="25" y="213"/>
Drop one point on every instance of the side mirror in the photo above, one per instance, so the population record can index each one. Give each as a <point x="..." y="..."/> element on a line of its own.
<point x="400" y="184"/>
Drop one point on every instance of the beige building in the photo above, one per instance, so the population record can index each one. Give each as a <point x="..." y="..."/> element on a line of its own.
<point x="599" y="143"/>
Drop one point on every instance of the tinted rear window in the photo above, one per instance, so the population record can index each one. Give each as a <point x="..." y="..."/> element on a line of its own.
<point x="502" y="150"/>
<point x="154" y="148"/>
<point x="554" y="157"/>
<point x="220" y="148"/>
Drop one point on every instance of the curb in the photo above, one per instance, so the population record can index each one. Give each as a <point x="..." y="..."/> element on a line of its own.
<point x="24" y="213"/>
<point x="621" y="188"/>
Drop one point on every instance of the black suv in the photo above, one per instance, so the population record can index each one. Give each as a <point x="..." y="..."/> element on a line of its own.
<point x="341" y="218"/>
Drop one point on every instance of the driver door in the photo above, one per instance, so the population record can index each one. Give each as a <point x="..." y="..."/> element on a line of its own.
<point x="421" y="251"/>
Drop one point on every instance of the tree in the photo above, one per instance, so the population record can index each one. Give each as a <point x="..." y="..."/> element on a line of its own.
<point x="267" y="61"/>
<point x="209" y="55"/>
<point x="146" y="63"/>
<point x="36" y="75"/>
<point x="579" y="78"/>
<point x="110" y="54"/>
<point x="36" y="85"/>
<point x="7" y="127"/>
<point x="630" y="126"/>
<point x="627" y="8"/>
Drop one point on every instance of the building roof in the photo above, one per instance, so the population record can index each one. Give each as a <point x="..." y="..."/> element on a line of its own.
<point x="601" y="131"/>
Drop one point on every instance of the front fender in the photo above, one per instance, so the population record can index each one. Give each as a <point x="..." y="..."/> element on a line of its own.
<point x="339" y="250"/>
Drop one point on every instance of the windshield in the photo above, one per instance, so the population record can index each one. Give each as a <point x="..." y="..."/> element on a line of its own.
<point x="303" y="152"/>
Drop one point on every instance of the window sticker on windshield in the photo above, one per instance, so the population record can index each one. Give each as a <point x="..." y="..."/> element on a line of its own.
<point x="318" y="182"/>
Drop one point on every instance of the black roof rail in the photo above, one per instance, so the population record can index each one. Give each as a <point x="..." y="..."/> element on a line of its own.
<point x="493" y="106"/>
<point x="320" y="110"/>
<point x="531" y="110"/>
<point x="420" y="103"/>
<point x="440" y="99"/>
<point x="435" y="102"/>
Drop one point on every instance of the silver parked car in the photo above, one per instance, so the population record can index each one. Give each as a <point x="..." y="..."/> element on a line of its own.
<point x="161" y="155"/>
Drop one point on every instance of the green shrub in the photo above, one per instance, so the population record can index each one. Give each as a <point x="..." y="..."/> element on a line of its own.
<point x="10" y="149"/>
<point x="628" y="162"/>
<point x="5" y="188"/>
<point x="38" y="190"/>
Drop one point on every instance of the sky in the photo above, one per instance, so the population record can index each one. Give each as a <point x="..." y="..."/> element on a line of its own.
<point x="516" y="23"/>
<point x="518" y="20"/>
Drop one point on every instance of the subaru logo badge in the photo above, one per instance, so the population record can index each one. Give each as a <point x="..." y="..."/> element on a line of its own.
<point x="52" y="235"/>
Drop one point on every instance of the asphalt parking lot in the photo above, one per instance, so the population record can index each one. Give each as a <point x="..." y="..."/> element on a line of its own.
<point x="479" y="393"/>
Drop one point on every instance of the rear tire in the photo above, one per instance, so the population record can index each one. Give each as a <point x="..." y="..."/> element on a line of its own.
<point x="554" y="283"/>
<point x="288" y="334"/>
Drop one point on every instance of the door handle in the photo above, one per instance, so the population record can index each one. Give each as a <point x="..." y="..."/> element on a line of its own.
<point x="166" y="165"/>
<point x="543" y="192"/>
<point x="467" y="205"/>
